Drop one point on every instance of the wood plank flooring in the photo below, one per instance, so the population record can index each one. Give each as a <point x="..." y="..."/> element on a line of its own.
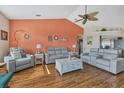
<point x="89" y="77"/>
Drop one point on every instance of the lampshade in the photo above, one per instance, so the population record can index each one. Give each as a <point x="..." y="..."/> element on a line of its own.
<point x="38" y="46"/>
<point x="74" y="46"/>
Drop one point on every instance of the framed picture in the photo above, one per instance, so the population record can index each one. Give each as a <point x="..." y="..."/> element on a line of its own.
<point x="4" y="35"/>
<point x="89" y="40"/>
<point x="56" y="38"/>
<point x="50" y="38"/>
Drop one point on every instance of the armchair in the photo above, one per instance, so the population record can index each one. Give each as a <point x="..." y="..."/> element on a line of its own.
<point x="17" y="64"/>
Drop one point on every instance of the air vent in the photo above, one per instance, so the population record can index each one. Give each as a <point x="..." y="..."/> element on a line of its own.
<point x="38" y="15"/>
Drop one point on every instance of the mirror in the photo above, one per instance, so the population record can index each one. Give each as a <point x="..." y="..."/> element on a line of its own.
<point x="106" y="42"/>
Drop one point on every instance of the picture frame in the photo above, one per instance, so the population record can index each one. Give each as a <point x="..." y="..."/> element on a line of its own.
<point x="89" y="40"/>
<point x="56" y="38"/>
<point x="50" y="38"/>
<point x="4" y="35"/>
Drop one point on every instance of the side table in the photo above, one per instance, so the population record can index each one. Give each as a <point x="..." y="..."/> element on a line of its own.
<point x="2" y="66"/>
<point x="39" y="59"/>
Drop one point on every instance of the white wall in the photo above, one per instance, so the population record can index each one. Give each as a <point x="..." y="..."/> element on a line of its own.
<point x="4" y="45"/>
<point x="109" y="17"/>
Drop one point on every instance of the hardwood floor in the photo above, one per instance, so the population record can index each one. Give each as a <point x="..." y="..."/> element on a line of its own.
<point x="89" y="77"/>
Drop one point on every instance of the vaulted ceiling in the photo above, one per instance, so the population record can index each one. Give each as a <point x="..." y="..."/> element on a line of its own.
<point x="37" y="11"/>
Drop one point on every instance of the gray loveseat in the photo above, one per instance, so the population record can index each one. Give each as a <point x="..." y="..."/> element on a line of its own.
<point x="55" y="53"/>
<point x="14" y="65"/>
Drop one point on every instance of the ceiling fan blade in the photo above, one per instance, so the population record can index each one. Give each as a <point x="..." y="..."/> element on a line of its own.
<point x="92" y="14"/>
<point x="78" y="20"/>
<point x="92" y="18"/>
<point x="82" y="16"/>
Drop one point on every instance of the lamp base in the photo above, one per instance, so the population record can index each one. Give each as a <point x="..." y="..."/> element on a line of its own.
<point x="38" y="51"/>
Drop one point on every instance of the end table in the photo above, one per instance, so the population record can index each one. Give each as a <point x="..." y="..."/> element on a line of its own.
<point x="39" y="59"/>
<point x="2" y="64"/>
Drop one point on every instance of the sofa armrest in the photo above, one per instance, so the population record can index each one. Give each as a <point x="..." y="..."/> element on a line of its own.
<point x="98" y="56"/>
<point x="11" y="66"/>
<point x="32" y="58"/>
<point x="10" y="63"/>
<point x="8" y="59"/>
<point x="29" y="56"/>
<point x="46" y="57"/>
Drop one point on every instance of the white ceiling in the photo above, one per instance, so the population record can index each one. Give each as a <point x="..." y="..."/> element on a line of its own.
<point x="30" y="11"/>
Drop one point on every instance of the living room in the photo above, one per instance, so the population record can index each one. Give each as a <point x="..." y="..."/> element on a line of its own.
<point x="61" y="46"/>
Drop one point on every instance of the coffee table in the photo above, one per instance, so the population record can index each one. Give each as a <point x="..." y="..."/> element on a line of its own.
<point x="67" y="65"/>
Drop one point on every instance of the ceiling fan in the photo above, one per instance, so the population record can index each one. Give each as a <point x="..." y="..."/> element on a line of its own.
<point x="87" y="16"/>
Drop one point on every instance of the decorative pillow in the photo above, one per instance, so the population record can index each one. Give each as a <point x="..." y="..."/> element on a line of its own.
<point x="16" y="54"/>
<point x="23" y="54"/>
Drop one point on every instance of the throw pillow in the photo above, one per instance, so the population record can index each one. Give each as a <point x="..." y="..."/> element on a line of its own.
<point x="23" y="54"/>
<point x="16" y="54"/>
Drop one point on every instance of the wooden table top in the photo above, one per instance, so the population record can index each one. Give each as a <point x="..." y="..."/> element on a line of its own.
<point x="2" y="64"/>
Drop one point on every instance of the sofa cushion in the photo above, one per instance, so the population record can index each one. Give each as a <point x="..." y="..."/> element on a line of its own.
<point x="16" y="54"/>
<point x="65" y="54"/>
<point x="110" y="56"/>
<point x="101" y="50"/>
<point x="52" y="52"/>
<point x="52" y="57"/>
<point x="58" y="49"/>
<point x="102" y="61"/>
<point x="111" y="51"/>
<point x="59" y="56"/>
<point x="22" y="61"/>
<point x="58" y="52"/>
<point x="94" y="50"/>
<point x="64" y="51"/>
<point x="51" y="49"/>
<point x="64" y="48"/>
<point x="93" y="53"/>
<point x="85" y="57"/>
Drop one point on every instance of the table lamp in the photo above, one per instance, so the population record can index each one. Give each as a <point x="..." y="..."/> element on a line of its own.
<point x="74" y="46"/>
<point x="38" y="46"/>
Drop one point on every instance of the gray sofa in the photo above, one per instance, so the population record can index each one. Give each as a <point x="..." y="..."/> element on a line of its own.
<point x="107" y="59"/>
<point x="14" y="65"/>
<point x="55" y="53"/>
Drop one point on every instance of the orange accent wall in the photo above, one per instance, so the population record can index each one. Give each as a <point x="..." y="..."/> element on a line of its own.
<point x="39" y="31"/>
